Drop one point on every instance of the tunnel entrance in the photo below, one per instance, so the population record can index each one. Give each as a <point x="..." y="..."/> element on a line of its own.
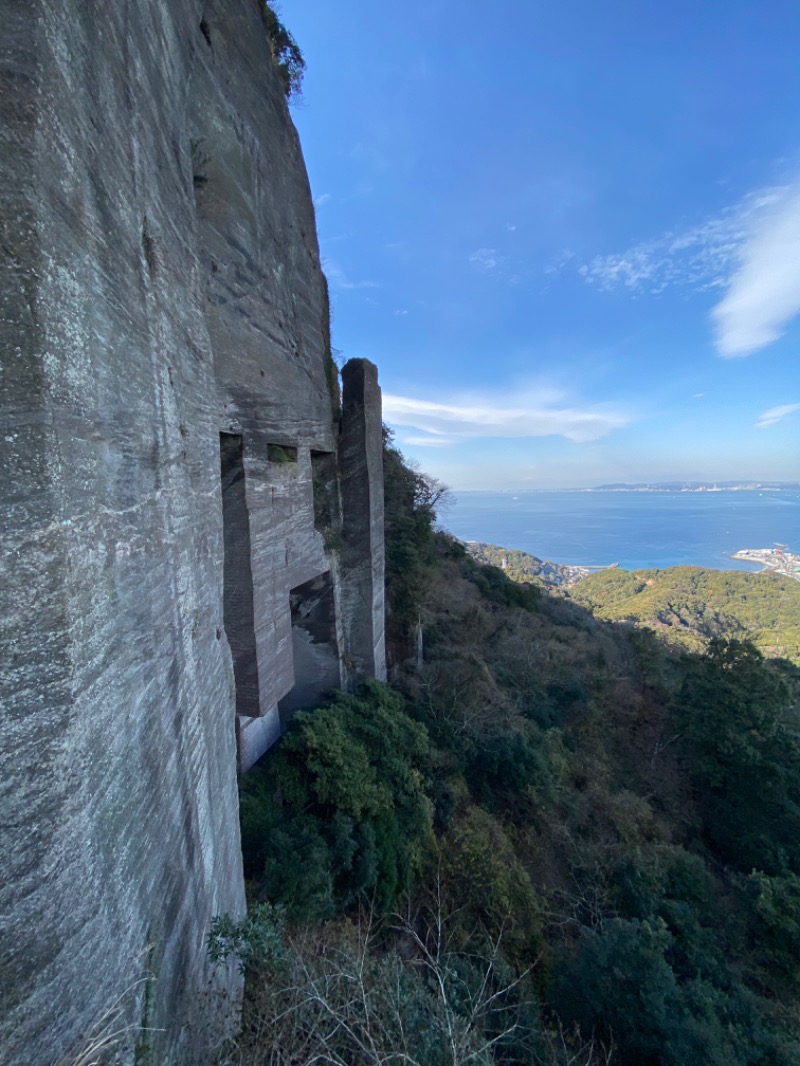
<point x="238" y="614"/>
<point x="314" y="646"/>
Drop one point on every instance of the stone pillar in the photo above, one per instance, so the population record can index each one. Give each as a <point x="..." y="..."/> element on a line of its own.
<point x="362" y="574"/>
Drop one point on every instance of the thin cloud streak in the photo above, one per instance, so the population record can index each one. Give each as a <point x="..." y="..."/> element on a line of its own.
<point x="773" y="415"/>
<point x="428" y="442"/>
<point x="537" y="415"/>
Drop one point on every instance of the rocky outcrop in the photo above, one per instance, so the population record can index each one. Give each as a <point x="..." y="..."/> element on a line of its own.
<point x="172" y="533"/>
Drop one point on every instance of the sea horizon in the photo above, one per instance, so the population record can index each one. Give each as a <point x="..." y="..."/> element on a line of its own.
<point x="637" y="529"/>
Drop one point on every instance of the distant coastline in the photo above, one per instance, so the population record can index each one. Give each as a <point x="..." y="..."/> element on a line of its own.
<point x="654" y="486"/>
<point x="637" y="530"/>
<point x="699" y="486"/>
<point x="522" y="566"/>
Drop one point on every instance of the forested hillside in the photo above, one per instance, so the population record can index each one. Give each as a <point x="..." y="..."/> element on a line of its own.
<point x="555" y="842"/>
<point x="689" y="605"/>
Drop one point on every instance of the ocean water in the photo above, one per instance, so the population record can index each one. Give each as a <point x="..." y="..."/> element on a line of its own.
<point x="635" y="529"/>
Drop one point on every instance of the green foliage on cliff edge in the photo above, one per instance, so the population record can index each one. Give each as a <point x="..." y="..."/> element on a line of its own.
<point x="608" y="829"/>
<point x="285" y="50"/>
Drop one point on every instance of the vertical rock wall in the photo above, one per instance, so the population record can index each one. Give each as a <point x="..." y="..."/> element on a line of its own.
<point x="161" y="287"/>
<point x="361" y="459"/>
<point x="119" y="792"/>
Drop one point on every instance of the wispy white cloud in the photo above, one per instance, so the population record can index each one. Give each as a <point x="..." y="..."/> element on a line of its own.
<point x="764" y="293"/>
<point x="322" y="199"/>
<point x="557" y="264"/>
<point x="401" y="311"/>
<point x="773" y="415"/>
<point x="485" y="259"/>
<point x="533" y="414"/>
<point x="698" y="258"/>
<point x="751" y="250"/>
<point x="339" y="280"/>
<point x="428" y="442"/>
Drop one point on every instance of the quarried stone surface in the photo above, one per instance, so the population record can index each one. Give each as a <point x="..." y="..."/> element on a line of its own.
<point x="167" y="435"/>
<point x="361" y="459"/>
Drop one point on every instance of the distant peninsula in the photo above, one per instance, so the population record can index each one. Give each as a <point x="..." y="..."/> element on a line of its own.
<point x="529" y="569"/>
<point x="699" y="486"/>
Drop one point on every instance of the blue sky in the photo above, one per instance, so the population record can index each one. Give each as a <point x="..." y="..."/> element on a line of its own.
<point x="567" y="233"/>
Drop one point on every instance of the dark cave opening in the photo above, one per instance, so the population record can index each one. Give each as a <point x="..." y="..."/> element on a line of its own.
<point x="314" y="646"/>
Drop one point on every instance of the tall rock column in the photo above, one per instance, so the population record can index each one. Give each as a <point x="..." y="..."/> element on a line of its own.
<point x="362" y="574"/>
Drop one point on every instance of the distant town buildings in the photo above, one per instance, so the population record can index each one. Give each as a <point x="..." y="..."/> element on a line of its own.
<point x="778" y="560"/>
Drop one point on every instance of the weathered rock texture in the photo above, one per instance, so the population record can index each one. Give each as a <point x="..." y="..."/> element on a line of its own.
<point x="361" y="458"/>
<point x="170" y="487"/>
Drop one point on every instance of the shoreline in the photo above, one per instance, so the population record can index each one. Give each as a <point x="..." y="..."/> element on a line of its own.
<point x="777" y="560"/>
<point x="555" y="574"/>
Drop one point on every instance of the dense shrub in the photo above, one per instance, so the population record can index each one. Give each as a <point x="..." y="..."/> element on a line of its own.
<point x="742" y="725"/>
<point x="340" y="809"/>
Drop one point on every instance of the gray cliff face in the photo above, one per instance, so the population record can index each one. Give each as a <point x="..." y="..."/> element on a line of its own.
<point x="173" y="484"/>
<point x="361" y="457"/>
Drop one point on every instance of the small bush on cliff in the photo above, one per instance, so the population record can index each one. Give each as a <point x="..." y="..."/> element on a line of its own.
<point x="255" y="940"/>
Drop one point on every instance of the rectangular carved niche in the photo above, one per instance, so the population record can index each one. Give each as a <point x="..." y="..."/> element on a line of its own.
<point x="282" y="453"/>
<point x="314" y="646"/>
<point x="238" y="575"/>
<point x="327" y="517"/>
